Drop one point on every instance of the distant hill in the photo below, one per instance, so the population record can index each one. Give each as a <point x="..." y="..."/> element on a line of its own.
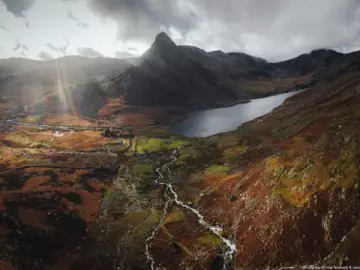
<point x="167" y="75"/>
<point x="24" y="81"/>
<point x="187" y="76"/>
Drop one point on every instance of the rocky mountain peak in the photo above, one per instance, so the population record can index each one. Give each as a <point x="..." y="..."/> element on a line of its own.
<point x="163" y="49"/>
<point x="163" y="37"/>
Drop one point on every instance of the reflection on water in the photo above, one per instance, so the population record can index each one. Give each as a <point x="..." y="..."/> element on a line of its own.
<point x="210" y="122"/>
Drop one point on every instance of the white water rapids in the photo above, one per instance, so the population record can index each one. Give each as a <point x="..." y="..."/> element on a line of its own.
<point x="230" y="245"/>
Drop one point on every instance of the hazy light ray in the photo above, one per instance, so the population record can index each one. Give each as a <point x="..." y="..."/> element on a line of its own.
<point x="62" y="84"/>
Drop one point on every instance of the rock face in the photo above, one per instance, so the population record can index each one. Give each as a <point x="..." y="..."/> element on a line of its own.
<point x="189" y="77"/>
<point x="166" y="76"/>
<point x="88" y="98"/>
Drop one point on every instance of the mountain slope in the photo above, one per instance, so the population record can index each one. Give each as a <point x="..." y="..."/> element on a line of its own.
<point x="189" y="77"/>
<point x="166" y="76"/>
<point x="23" y="81"/>
<point x="175" y="79"/>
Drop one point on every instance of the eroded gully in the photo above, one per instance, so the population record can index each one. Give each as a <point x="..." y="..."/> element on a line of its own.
<point x="171" y="196"/>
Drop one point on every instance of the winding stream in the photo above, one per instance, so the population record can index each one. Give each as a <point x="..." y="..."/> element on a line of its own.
<point x="230" y="249"/>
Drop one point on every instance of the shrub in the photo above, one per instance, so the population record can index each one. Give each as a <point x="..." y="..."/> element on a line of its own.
<point x="73" y="197"/>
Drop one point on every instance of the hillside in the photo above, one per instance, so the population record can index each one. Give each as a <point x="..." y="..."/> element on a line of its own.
<point x="163" y="85"/>
<point x="24" y="82"/>
<point x="284" y="188"/>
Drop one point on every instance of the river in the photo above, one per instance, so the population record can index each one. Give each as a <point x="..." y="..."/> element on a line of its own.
<point x="171" y="196"/>
<point x="210" y="122"/>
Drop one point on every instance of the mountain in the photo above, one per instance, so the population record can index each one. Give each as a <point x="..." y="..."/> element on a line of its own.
<point x="173" y="78"/>
<point x="167" y="76"/>
<point x="24" y="81"/>
<point x="311" y="62"/>
<point x="187" y="77"/>
<point x="282" y="191"/>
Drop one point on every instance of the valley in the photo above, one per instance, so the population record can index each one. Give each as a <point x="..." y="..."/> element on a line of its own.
<point x="92" y="176"/>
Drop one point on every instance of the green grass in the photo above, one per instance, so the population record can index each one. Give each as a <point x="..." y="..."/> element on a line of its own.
<point x="19" y="139"/>
<point x="141" y="170"/>
<point x="233" y="152"/>
<point x="113" y="201"/>
<point x="149" y="145"/>
<point x="217" y="169"/>
<point x="32" y="118"/>
<point x="175" y="216"/>
<point x="142" y="174"/>
<point x="210" y="239"/>
<point x="187" y="155"/>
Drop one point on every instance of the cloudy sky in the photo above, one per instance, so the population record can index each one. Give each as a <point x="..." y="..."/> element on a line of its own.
<point x="272" y="29"/>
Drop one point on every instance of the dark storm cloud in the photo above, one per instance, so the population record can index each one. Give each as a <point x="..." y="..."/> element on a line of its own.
<point x="59" y="49"/>
<point x="45" y="56"/>
<point x="142" y="19"/>
<point x="72" y="17"/>
<point x="275" y="29"/>
<point x="89" y="52"/>
<point x="279" y="28"/>
<point x="18" y="7"/>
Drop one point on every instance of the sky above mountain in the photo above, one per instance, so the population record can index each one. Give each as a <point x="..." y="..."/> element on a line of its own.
<point x="274" y="30"/>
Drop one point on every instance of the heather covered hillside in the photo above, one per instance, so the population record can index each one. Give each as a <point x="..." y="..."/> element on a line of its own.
<point x="285" y="196"/>
<point x="179" y="135"/>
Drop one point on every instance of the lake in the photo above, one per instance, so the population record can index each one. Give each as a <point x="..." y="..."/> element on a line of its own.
<point x="209" y="122"/>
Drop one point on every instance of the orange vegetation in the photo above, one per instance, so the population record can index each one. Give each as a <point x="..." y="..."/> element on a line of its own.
<point x="5" y="265"/>
<point x="81" y="140"/>
<point x="34" y="182"/>
<point x="66" y="119"/>
<point x="111" y="107"/>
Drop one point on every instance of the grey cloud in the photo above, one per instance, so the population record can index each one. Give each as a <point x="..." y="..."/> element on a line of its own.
<point x="18" y="7"/>
<point x="45" y="56"/>
<point x="143" y="19"/>
<point x="123" y="54"/>
<point x="83" y="25"/>
<point x="2" y="27"/>
<point x="278" y="29"/>
<point x="59" y="49"/>
<point x="89" y="52"/>
<point x="72" y="17"/>
<point x="275" y="30"/>
<point x="19" y="46"/>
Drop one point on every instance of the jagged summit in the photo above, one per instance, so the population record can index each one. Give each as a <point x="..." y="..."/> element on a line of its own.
<point x="163" y="37"/>
<point x="162" y="49"/>
<point x="162" y="42"/>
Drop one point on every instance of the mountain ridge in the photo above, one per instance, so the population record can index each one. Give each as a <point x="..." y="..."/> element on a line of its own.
<point x="185" y="78"/>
